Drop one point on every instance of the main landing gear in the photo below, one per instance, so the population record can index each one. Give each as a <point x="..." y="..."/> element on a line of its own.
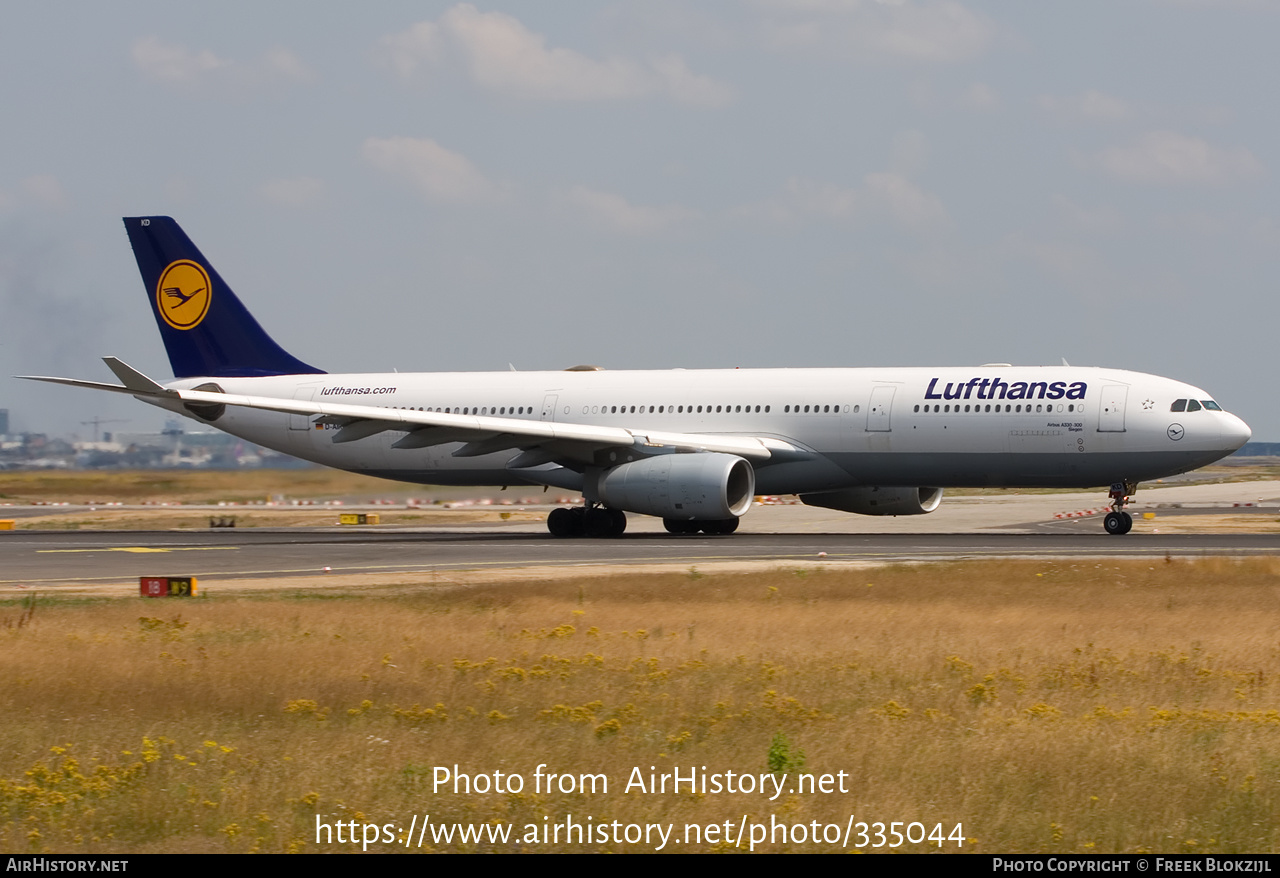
<point x="1118" y="521"/>
<point x="586" y="521"/>
<point x="598" y="521"/>
<point x="713" y="527"/>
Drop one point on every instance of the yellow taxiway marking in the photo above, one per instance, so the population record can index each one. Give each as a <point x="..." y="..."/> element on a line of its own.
<point x="137" y="550"/>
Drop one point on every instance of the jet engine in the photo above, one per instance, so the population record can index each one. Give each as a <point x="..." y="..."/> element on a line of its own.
<point x="878" y="500"/>
<point x="206" y="411"/>
<point x="703" y="485"/>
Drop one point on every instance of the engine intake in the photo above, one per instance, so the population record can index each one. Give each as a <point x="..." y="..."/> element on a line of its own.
<point x="878" y="500"/>
<point x="704" y="485"/>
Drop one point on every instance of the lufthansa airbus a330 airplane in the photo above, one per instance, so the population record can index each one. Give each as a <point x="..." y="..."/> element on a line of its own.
<point x="691" y="447"/>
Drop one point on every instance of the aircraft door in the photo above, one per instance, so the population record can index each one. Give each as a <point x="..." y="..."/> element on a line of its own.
<point x="1111" y="411"/>
<point x="549" y="407"/>
<point x="880" y="409"/>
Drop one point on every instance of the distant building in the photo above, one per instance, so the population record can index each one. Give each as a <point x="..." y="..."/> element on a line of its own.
<point x="1259" y="449"/>
<point x="4" y="422"/>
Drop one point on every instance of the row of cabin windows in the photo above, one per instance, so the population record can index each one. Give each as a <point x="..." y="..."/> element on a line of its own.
<point x="667" y="409"/>
<point x="819" y="409"/>
<point x="1178" y="406"/>
<point x="660" y="409"/>
<point x="1015" y="409"/>
<point x="1192" y="405"/>
<point x="729" y="409"/>
<point x="475" y="410"/>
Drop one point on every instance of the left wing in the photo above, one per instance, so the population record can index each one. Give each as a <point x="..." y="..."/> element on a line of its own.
<point x="539" y="441"/>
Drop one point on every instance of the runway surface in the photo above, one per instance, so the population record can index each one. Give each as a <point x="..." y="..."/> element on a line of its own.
<point x="46" y="559"/>
<point x="966" y="527"/>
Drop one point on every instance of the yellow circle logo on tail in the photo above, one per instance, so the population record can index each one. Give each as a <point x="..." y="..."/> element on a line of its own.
<point x="183" y="294"/>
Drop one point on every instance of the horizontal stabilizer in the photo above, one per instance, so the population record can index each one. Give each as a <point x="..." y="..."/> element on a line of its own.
<point x="135" y="383"/>
<point x="132" y="378"/>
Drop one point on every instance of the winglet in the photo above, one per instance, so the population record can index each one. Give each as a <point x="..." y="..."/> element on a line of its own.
<point x="131" y="377"/>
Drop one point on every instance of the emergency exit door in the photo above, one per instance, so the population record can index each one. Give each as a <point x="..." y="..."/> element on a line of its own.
<point x="1111" y="410"/>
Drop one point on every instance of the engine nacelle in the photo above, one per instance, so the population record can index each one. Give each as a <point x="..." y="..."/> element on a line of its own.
<point x="878" y="500"/>
<point x="704" y="485"/>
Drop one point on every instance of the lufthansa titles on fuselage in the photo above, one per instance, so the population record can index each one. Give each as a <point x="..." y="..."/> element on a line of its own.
<point x="996" y="388"/>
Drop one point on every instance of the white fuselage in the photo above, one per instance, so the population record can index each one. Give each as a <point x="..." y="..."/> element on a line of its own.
<point x="940" y="427"/>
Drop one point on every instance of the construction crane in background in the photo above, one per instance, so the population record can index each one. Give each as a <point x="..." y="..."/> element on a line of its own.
<point x="98" y="422"/>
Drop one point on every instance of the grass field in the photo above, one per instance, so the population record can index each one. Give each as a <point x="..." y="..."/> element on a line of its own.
<point x="1044" y="706"/>
<point x="170" y="518"/>
<point x="214" y="486"/>
<point x="189" y="486"/>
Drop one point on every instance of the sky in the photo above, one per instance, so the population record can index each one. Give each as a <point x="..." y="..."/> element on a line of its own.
<point x="652" y="184"/>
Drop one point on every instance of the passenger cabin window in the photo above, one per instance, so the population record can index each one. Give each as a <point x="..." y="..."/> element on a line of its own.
<point x="1179" y="405"/>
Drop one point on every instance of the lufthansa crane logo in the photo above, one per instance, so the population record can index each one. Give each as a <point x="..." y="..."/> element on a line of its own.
<point x="183" y="294"/>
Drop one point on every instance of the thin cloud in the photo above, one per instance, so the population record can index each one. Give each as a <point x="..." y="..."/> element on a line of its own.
<point x="1264" y="232"/>
<point x="44" y="190"/>
<point x="909" y="205"/>
<point x="39" y="191"/>
<point x="939" y="32"/>
<point x="406" y="51"/>
<point x="1194" y="223"/>
<point x="437" y="173"/>
<point x="802" y="199"/>
<point x="177" y="65"/>
<point x="501" y="55"/>
<point x="885" y="195"/>
<point x="1091" y="106"/>
<point x="1101" y="220"/>
<point x="979" y="96"/>
<point x="38" y="305"/>
<point x="1167" y="158"/>
<point x="908" y="152"/>
<point x="619" y="214"/>
<point x="1262" y="5"/>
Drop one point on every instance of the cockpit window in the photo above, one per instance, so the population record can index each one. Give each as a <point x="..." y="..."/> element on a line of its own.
<point x="1211" y="405"/>
<point x="1193" y="406"/>
<point x="1179" y="405"/>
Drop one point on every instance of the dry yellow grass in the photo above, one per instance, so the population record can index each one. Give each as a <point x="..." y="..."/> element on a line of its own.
<point x="212" y="486"/>
<point x="1046" y="706"/>
<point x="170" y="518"/>
<point x="189" y="486"/>
<point x="1222" y="523"/>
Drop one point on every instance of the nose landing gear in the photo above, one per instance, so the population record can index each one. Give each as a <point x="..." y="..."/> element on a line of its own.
<point x="1119" y="522"/>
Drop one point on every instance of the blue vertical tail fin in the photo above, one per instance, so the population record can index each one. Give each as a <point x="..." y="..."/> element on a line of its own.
<point x="207" y="331"/>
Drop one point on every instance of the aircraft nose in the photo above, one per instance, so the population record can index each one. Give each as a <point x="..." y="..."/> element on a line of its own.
<point x="1235" y="432"/>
